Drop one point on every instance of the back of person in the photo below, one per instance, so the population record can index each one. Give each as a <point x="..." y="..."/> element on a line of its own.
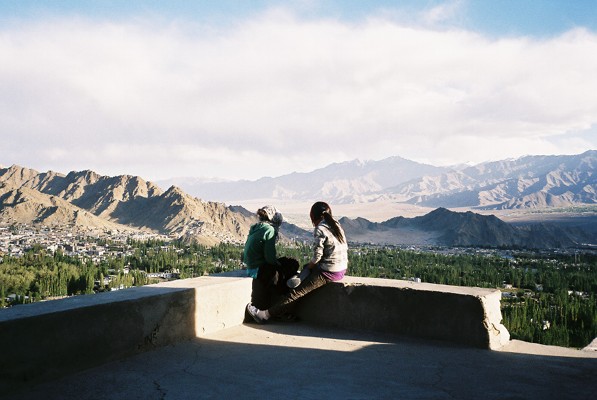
<point x="334" y="253"/>
<point x="328" y="264"/>
<point x="259" y="248"/>
<point x="269" y="273"/>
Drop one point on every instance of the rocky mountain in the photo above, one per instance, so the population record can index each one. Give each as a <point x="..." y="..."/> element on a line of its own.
<point x="448" y="228"/>
<point x="527" y="182"/>
<point x="85" y="198"/>
<point x="345" y="182"/>
<point x="28" y="206"/>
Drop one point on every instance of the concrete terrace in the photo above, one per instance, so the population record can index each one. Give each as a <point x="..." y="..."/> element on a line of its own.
<point x="310" y="359"/>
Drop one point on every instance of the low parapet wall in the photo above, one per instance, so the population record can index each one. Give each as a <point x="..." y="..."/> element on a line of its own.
<point x="46" y="340"/>
<point x="43" y="341"/>
<point x="465" y="315"/>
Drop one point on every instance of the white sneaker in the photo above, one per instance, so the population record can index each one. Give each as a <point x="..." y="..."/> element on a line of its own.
<point x="253" y="312"/>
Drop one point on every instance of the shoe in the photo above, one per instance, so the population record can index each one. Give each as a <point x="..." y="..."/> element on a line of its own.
<point x="253" y="312"/>
<point x="293" y="282"/>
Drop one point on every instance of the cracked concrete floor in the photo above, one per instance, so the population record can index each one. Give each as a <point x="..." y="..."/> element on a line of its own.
<point x="298" y="361"/>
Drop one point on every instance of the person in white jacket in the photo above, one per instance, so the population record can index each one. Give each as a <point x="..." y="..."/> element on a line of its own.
<point x="329" y="262"/>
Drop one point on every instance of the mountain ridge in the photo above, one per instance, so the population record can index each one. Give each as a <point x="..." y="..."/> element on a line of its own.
<point x="85" y="198"/>
<point x="125" y="202"/>
<point x="526" y="182"/>
<point x="463" y="229"/>
<point x="336" y="182"/>
<point x="521" y="183"/>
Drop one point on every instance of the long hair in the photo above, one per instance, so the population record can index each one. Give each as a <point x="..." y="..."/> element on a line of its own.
<point x="322" y="210"/>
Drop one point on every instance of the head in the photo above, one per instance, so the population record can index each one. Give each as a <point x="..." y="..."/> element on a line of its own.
<point x="270" y="214"/>
<point x="321" y="211"/>
<point x="318" y="212"/>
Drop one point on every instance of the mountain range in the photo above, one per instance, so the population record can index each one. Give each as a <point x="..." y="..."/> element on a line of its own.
<point x="526" y="182"/>
<point x="448" y="228"/>
<point x="87" y="199"/>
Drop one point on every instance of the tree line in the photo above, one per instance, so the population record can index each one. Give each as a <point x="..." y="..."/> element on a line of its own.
<point x="550" y="297"/>
<point x="40" y="274"/>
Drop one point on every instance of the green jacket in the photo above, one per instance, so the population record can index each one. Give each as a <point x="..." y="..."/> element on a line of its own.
<point x="260" y="248"/>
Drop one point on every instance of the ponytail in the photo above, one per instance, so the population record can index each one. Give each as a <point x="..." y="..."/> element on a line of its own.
<point x="322" y="210"/>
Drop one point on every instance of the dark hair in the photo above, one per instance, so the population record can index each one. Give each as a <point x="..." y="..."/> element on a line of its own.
<point x="262" y="215"/>
<point x="322" y="210"/>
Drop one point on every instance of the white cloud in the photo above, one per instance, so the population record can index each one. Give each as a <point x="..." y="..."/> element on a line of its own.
<point x="276" y="94"/>
<point x="442" y="12"/>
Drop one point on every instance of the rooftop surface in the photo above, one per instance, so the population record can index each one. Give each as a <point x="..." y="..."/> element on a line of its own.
<point x="302" y="361"/>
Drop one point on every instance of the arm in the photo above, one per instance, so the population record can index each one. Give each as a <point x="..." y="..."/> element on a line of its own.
<point x="270" y="247"/>
<point x="318" y="243"/>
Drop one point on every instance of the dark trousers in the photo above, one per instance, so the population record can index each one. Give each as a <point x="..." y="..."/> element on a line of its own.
<point x="262" y="288"/>
<point x="270" y="284"/>
<point x="261" y="294"/>
<point x="313" y="281"/>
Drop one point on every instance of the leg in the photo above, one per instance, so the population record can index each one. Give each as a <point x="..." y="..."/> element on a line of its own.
<point x="260" y="294"/>
<point x="312" y="282"/>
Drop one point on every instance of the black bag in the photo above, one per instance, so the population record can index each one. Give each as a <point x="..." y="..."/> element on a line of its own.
<point x="287" y="269"/>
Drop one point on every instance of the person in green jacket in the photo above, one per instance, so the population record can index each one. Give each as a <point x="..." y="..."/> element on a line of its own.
<point x="329" y="264"/>
<point x="259" y="254"/>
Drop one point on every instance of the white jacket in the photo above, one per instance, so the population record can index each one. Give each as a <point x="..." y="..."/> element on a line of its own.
<point x="328" y="252"/>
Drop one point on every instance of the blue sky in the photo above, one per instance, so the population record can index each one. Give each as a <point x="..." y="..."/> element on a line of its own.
<point x="244" y="89"/>
<point x="493" y="17"/>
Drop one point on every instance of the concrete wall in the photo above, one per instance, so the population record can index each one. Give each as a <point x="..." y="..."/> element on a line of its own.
<point x="465" y="315"/>
<point x="219" y="301"/>
<point x="46" y="340"/>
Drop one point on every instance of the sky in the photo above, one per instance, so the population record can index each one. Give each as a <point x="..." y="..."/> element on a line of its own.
<point x="246" y="89"/>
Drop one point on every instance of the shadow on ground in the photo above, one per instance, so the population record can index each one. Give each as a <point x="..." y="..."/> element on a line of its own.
<point x="298" y="361"/>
